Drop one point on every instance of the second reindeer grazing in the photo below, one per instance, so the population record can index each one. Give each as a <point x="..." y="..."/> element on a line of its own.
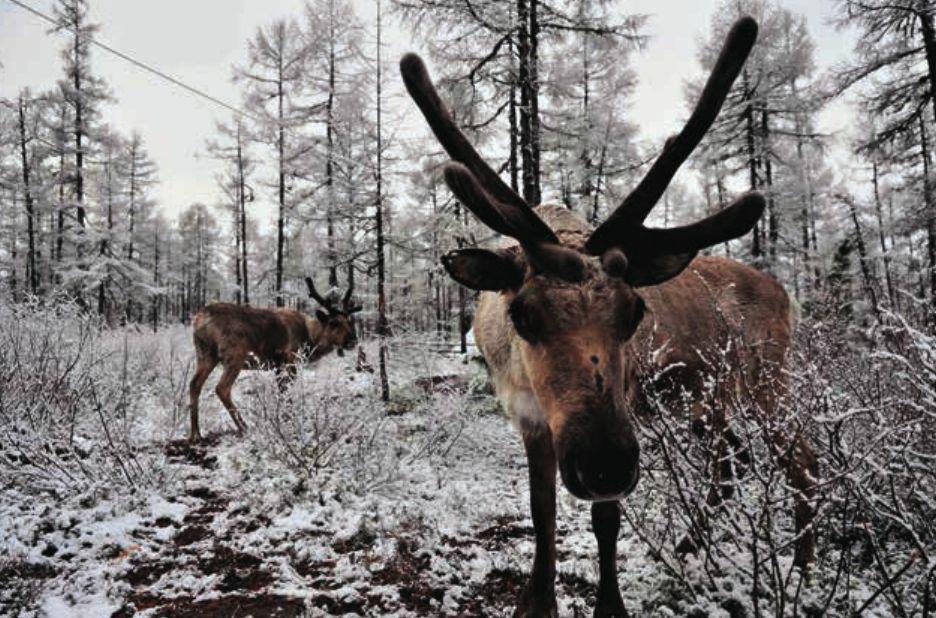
<point x="563" y="309"/>
<point x="239" y="337"/>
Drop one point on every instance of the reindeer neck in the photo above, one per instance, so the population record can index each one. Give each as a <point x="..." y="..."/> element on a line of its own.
<point x="318" y="347"/>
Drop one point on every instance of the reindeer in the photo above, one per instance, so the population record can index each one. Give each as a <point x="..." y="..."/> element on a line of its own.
<point x="241" y="337"/>
<point x="563" y="307"/>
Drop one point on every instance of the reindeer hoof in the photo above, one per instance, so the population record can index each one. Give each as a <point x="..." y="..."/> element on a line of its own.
<point x="804" y="556"/>
<point x="808" y="572"/>
<point x="610" y="604"/>
<point x="534" y="604"/>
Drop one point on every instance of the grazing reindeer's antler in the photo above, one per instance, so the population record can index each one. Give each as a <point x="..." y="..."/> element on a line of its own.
<point x="480" y="188"/>
<point x="313" y="293"/>
<point x="624" y="227"/>
<point x="347" y="304"/>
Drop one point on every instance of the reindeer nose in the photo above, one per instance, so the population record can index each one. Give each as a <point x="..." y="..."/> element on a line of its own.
<point x="600" y="465"/>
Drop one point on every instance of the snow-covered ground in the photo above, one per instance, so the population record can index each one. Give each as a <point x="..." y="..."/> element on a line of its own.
<point x="329" y="506"/>
<point x="424" y="513"/>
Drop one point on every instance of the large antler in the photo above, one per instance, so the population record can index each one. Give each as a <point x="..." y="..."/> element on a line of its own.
<point x="321" y="300"/>
<point x="420" y="87"/>
<point x="348" y="306"/>
<point x="480" y="188"/>
<point x="624" y="226"/>
<point x="347" y="303"/>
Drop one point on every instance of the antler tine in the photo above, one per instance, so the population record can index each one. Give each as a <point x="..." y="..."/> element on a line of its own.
<point x="543" y="256"/>
<point x="347" y="303"/>
<point x="637" y="205"/>
<point x="421" y="89"/>
<point x="469" y="192"/>
<point x="729" y="223"/>
<point x="313" y="293"/>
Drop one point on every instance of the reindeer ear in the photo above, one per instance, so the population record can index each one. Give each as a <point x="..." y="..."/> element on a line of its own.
<point x="644" y="270"/>
<point x="480" y="269"/>
<point x="322" y="316"/>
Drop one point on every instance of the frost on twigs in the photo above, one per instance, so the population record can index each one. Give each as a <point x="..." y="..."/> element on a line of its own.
<point x="869" y="411"/>
<point x="330" y="506"/>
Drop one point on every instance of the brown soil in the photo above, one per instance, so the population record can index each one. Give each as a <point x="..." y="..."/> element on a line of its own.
<point x="260" y="606"/>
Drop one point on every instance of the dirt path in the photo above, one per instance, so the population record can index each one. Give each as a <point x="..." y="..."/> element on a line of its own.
<point x="210" y="544"/>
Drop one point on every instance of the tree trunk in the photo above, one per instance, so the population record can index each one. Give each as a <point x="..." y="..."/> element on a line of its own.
<point x="930" y="216"/>
<point x="588" y="183"/>
<point x="280" y="224"/>
<point x="512" y="162"/>
<point x="866" y="275"/>
<point x="529" y="105"/>
<point x="32" y="274"/>
<point x="330" y="149"/>
<point x="134" y="154"/>
<point x="242" y="197"/>
<point x="773" y="219"/>
<point x="352" y="203"/>
<point x="239" y="284"/>
<point x="60" y="219"/>
<point x="752" y="157"/>
<point x="156" y="295"/>
<point x="13" y="256"/>
<point x="382" y="322"/>
<point x="105" y="280"/>
<point x="879" y="212"/>
<point x="805" y="200"/>
<point x="79" y="135"/>
<point x="929" y="44"/>
<point x="534" y="102"/>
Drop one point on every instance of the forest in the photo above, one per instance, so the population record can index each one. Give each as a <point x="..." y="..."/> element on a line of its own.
<point x="386" y="481"/>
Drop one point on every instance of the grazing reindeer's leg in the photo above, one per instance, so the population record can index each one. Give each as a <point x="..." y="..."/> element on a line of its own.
<point x="203" y="368"/>
<point x="797" y="456"/>
<point x="606" y="522"/>
<point x="803" y="472"/>
<point x="539" y="598"/>
<point x="223" y="390"/>
<point x="286" y="373"/>
<point x="722" y="487"/>
<point x="802" y="468"/>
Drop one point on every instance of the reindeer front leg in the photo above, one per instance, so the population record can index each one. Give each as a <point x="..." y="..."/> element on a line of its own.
<point x="538" y="600"/>
<point x="606" y="523"/>
<point x="286" y="372"/>
<point x="203" y="368"/>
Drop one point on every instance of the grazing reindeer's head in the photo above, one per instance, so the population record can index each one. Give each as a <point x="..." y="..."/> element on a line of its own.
<point x="575" y="303"/>
<point x="337" y="322"/>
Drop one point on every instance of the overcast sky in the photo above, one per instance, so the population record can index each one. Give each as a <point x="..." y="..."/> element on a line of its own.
<point x="198" y="41"/>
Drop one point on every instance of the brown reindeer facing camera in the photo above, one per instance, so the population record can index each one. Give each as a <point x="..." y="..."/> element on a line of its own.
<point x="563" y="309"/>
<point x="241" y="337"/>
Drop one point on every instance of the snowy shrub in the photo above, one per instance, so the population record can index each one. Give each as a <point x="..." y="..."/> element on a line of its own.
<point x="331" y="418"/>
<point x="74" y="402"/>
<point x="873" y="412"/>
<point x="321" y="425"/>
<point x="869" y="411"/>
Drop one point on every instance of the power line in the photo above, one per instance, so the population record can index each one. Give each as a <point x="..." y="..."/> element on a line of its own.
<point x="137" y="63"/>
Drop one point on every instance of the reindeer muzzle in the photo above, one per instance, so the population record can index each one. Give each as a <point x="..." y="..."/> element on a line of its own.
<point x="598" y="462"/>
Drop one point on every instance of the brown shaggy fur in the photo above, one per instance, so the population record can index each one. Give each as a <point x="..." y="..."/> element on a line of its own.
<point x="240" y="337"/>
<point x="676" y="348"/>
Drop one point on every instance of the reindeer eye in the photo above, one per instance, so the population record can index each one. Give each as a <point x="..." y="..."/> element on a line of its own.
<point x="629" y="317"/>
<point x="524" y="320"/>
